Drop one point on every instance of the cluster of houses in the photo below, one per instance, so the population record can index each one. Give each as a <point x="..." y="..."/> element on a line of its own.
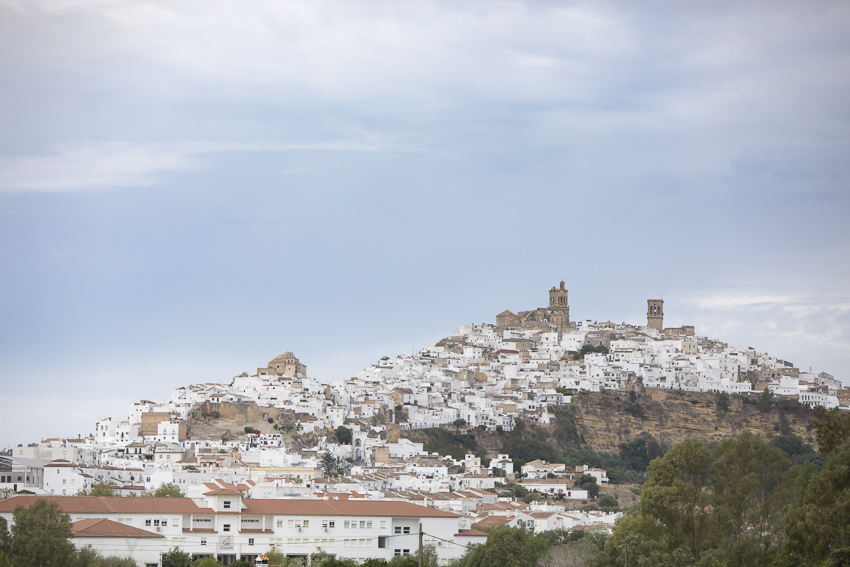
<point x="258" y="489"/>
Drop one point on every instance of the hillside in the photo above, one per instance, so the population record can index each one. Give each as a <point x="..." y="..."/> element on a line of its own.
<point x="607" y="419"/>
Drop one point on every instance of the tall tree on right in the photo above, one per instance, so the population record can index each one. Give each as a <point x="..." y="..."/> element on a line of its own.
<point x="818" y="526"/>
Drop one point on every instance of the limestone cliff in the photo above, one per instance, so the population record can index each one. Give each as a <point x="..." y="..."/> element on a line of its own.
<point x="607" y="419"/>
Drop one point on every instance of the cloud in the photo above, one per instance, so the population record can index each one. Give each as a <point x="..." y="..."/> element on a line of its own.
<point x="74" y="168"/>
<point x="805" y="328"/>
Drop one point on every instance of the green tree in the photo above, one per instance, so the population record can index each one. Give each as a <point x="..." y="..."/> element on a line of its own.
<point x="819" y="524"/>
<point x="5" y="537"/>
<point x="176" y="558"/>
<point x="507" y="547"/>
<point x="100" y="489"/>
<point x="343" y="435"/>
<point x="168" y="490"/>
<point x="85" y="557"/>
<point x="765" y="401"/>
<point x="750" y="489"/>
<point x="208" y="562"/>
<point x="115" y="561"/>
<point x="570" y="554"/>
<point x="676" y="496"/>
<point x="588" y="482"/>
<point x="328" y="464"/>
<point x="41" y="535"/>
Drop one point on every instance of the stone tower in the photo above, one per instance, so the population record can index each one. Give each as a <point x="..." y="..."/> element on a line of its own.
<point x="558" y="298"/>
<point x="559" y="309"/>
<point x="655" y="313"/>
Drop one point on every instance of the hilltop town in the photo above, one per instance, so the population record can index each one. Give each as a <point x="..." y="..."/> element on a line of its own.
<point x="311" y="467"/>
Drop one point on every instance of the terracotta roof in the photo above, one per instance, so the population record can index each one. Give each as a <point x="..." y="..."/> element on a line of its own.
<point x="493" y="522"/>
<point x="223" y="492"/>
<point x="341" y="508"/>
<point x="101" y="527"/>
<point x="470" y="533"/>
<point x="110" y="505"/>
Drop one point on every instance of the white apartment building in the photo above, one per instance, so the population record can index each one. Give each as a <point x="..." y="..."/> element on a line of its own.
<point x="223" y="525"/>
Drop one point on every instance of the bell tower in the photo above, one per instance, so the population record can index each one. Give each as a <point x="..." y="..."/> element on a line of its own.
<point x="655" y="313"/>
<point x="558" y="298"/>
<point x="559" y="309"/>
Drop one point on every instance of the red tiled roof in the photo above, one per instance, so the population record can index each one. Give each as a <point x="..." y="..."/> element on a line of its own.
<point x="101" y="527"/>
<point x="470" y="533"/>
<point x="341" y="508"/>
<point x="110" y="505"/>
<point x="493" y="522"/>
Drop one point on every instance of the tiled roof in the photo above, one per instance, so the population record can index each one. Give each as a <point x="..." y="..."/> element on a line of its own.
<point x="101" y="527"/>
<point x="110" y="505"/>
<point x="341" y="508"/>
<point x="493" y="522"/>
<point x="470" y="533"/>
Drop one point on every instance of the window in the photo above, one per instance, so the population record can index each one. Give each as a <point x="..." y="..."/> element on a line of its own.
<point x="147" y="522"/>
<point x="226" y="527"/>
<point x="306" y="523"/>
<point x="406" y="551"/>
<point x="346" y="524"/>
<point x="332" y="524"/>
<point x="156" y="522"/>
<point x="291" y="523"/>
<point x="362" y="524"/>
<point x="383" y="524"/>
<point x="407" y="529"/>
<point x="250" y="541"/>
<point x="280" y="523"/>
<point x="396" y="552"/>
<point x="227" y="504"/>
<point x="203" y="542"/>
<point x="165" y="522"/>
<point x="398" y="529"/>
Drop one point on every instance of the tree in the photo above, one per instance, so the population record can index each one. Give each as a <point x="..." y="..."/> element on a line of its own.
<point x="5" y="537"/>
<point x="765" y="400"/>
<point x="115" y="561"/>
<point x="99" y="489"/>
<point x="676" y="496"/>
<point x="208" y="562"/>
<point x="570" y="554"/>
<point x="750" y="489"/>
<point x="168" y="490"/>
<point x="41" y="534"/>
<point x="343" y="435"/>
<point x="328" y="464"/>
<point x="176" y="558"/>
<point x="588" y="482"/>
<point x="507" y="547"/>
<point x="818" y="526"/>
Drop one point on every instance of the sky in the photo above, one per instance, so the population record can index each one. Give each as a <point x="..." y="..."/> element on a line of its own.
<point x="189" y="189"/>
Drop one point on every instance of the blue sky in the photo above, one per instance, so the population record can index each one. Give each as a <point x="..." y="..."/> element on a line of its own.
<point x="190" y="189"/>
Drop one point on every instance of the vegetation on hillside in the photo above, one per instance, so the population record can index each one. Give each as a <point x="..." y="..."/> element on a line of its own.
<point x="741" y="503"/>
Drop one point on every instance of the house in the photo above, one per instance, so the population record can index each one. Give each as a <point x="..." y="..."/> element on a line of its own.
<point x="224" y="525"/>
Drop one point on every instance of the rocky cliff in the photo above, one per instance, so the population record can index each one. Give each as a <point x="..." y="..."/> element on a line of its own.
<point x="606" y="419"/>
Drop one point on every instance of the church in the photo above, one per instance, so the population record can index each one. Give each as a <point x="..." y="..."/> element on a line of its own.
<point x="556" y="316"/>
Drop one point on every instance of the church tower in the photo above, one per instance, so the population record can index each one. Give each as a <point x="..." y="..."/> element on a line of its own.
<point x="559" y="309"/>
<point x="655" y="313"/>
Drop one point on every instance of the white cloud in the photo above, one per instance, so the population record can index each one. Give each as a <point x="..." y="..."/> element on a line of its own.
<point x="111" y="165"/>
<point x="809" y="329"/>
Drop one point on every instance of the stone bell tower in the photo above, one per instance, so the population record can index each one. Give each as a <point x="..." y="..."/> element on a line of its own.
<point x="559" y="309"/>
<point x="655" y="313"/>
